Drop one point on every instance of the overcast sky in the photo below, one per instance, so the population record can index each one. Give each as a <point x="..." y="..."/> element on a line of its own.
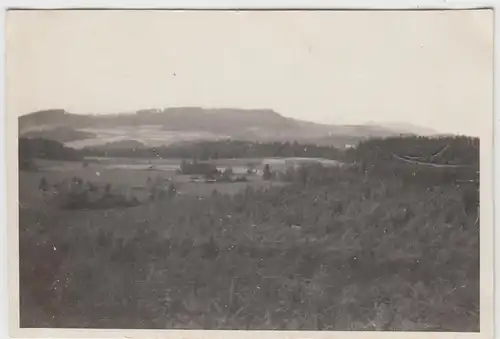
<point x="431" y="68"/>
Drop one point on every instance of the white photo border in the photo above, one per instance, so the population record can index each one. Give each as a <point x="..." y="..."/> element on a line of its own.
<point x="8" y="182"/>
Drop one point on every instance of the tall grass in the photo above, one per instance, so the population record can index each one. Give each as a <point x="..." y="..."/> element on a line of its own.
<point x="358" y="253"/>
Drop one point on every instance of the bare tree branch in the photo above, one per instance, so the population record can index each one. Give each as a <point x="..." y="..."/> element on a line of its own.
<point x="408" y="157"/>
<point x="429" y="164"/>
<point x="440" y="152"/>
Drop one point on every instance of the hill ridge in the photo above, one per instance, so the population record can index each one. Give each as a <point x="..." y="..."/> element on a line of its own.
<point x="260" y="124"/>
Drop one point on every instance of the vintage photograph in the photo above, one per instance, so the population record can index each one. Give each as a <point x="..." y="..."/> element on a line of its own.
<point x="250" y="170"/>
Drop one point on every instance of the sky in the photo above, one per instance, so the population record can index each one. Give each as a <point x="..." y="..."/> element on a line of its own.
<point x="428" y="68"/>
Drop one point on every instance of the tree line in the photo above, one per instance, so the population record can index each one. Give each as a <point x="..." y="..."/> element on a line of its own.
<point x="454" y="150"/>
<point x="223" y="149"/>
<point x="32" y="148"/>
<point x="457" y="154"/>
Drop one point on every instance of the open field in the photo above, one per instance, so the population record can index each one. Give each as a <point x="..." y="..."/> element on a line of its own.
<point x="359" y="253"/>
<point x="238" y="164"/>
<point x="170" y="165"/>
<point x="149" y="135"/>
<point x="130" y="174"/>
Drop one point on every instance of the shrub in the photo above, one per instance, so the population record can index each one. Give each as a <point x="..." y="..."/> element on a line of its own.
<point x="267" y="175"/>
<point x="198" y="168"/>
<point x="79" y="196"/>
<point x="43" y="185"/>
<point x="27" y="165"/>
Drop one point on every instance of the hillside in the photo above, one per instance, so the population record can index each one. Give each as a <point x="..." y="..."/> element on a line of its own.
<point x="243" y="124"/>
<point x="61" y="134"/>
<point x="407" y="128"/>
<point x="121" y="145"/>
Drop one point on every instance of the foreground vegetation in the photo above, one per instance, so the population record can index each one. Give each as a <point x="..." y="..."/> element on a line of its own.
<point x="334" y="249"/>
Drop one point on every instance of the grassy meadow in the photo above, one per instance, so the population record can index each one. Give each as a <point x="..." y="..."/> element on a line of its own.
<point x="343" y="250"/>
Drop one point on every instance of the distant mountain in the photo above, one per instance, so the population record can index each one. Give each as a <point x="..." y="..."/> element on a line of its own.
<point x="406" y="128"/>
<point x="122" y="144"/>
<point x="243" y="124"/>
<point x="47" y="119"/>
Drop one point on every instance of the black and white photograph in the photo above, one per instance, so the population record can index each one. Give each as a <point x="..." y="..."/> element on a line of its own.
<point x="301" y="170"/>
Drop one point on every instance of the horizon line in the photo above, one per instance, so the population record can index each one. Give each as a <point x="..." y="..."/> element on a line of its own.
<point x="137" y="111"/>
